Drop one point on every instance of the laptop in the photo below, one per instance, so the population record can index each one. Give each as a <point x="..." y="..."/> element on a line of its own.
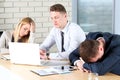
<point x="28" y="53"/>
<point x="24" y="53"/>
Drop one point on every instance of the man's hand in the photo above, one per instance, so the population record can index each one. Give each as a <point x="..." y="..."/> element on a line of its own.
<point x="80" y="66"/>
<point x="43" y="54"/>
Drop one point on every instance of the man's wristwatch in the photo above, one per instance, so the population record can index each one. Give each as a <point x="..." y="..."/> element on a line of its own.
<point x="47" y="54"/>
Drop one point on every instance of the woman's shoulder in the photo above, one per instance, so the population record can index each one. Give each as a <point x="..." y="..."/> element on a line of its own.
<point x="8" y="32"/>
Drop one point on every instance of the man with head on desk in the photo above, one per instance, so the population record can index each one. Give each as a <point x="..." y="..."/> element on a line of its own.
<point x="99" y="53"/>
<point x="64" y="34"/>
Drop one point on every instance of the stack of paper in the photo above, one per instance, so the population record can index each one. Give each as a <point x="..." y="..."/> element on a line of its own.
<point x="6" y="57"/>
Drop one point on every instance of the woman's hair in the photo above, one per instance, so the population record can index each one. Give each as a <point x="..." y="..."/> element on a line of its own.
<point x="26" y="20"/>
<point x="58" y="8"/>
<point x="88" y="49"/>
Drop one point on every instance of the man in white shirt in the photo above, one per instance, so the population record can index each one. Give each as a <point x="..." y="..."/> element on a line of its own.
<point x="72" y="33"/>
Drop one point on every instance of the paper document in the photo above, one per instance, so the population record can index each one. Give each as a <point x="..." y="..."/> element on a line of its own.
<point x="6" y="57"/>
<point x="4" y="51"/>
<point x="51" y="71"/>
<point x="54" y="62"/>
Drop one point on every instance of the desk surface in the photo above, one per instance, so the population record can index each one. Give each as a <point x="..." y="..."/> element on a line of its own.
<point x="24" y="72"/>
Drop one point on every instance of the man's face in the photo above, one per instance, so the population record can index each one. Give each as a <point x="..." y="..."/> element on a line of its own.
<point x="58" y="19"/>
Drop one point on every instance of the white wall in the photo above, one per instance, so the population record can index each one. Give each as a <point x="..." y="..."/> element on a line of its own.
<point x="11" y="11"/>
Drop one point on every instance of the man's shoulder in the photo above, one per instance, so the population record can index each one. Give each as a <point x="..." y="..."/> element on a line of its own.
<point x="74" y="24"/>
<point x="116" y="39"/>
<point x="54" y="31"/>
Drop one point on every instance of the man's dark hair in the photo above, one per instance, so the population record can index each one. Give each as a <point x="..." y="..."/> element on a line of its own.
<point x="88" y="49"/>
<point x="58" y="8"/>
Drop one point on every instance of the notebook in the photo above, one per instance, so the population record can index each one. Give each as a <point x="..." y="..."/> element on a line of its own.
<point x="53" y="70"/>
<point x="28" y="53"/>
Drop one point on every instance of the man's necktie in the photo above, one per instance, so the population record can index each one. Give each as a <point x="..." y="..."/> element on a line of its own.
<point x="62" y="41"/>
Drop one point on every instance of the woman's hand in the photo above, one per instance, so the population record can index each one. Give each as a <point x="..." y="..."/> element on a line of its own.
<point x="32" y="28"/>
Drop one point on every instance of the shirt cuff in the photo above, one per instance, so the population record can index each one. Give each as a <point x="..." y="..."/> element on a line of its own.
<point x="75" y="63"/>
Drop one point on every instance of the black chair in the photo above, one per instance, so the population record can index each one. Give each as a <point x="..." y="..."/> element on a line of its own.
<point x="1" y="33"/>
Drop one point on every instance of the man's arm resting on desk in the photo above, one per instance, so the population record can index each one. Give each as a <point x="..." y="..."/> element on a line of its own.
<point x="74" y="56"/>
<point x="79" y="64"/>
<point x="76" y="60"/>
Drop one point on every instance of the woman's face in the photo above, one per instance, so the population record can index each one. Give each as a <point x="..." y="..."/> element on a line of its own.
<point x="25" y="29"/>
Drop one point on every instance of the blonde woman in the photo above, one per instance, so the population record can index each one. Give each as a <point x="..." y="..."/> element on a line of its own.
<point x="24" y="32"/>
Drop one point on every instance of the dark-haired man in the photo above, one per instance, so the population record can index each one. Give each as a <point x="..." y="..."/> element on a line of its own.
<point x="99" y="53"/>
